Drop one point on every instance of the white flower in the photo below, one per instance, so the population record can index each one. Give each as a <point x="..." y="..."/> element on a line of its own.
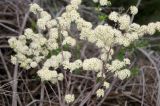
<point x="13" y="60"/>
<point x="103" y="2"/>
<point x="41" y="23"/>
<point x="101" y="75"/>
<point x="33" y="64"/>
<point x="78" y="63"/>
<point x="65" y="33"/>
<point x="52" y="44"/>
<point x="116" y="65"/>
<point x="51" y="23"/>
<point x="60" y="77"/>
<point x="123" y="74"/>
<point x="70" y="41"/>
<point x="158" y="26"/>
<point x="54" y="62"/>
<point x="134" y="27"/>
<point x="35" y="8"/>
<point x="54" y="80"/>
<point x="151" y="28"/>
<point x="12" y="42"/>
<point x="72" y="65"/>
<point x="76" y="2"/>
<point x="24" y="65"/>
<point x="38" y="58"/>
<point x="100" y="93"/>
<point x="104" y="56"/>
<point x="21" y="57"/>
<point x="124" y="21"/>
<point x="53" y="33"/>
<point x="69" y="98"/>
<point x="66" y="55"/>
<point x="46" y="74"/>
<point x="106" y="84"/>
<point x="45" y="15"/>
<point x="113" y="16"/>
<point x="94" y="64"/>
<point x="134" y="10"/>
<point x="95" y="1"/>
<point x="142" y="30"/>
<point x="70" y="8"/>
<point x="127" y="61"/>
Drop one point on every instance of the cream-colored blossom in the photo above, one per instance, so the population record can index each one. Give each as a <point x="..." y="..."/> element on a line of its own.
<point x="124" y="21"/>
<point x="94" y="64"/>
<point x="101" y="75"/>
<point x="60" y="76"/>
<point x="13" y="60"/>
<point x="70" y="41"/>
<point x="100" y="93"/>
<point x="133" y="10"/>
<point x="41" y="23"/>
<point x="106" y="84"/>
<point x="52" y="23"/>
<point x="33" y="64"/>
<point x="45" y="15"/>
<point x="103" y="2"/>
<point x="113" y="16"/>
<point x="35" y="8"/>
<point x="46" y="74"/>
<point x="123" y="74"/>
<point x="95" y="1"/>
<point x="69" y="98"/>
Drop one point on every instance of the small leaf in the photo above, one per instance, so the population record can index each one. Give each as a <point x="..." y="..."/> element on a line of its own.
<point x="121" y="54"/>
<point x="141" y="43"/>
<point x="77" y="71"/>
<point x="102" y="17"/>
<point x="134" y="71"/>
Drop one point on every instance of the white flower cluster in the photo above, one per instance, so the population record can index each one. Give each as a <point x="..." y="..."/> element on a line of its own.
<point x="117" y="68"/>
<point x="94" y="64"/>
<point x="117" y="64"/>
<point x="100" y="93"/>
<point x="133" y="10"/>
<point x="72" y="65"/>
<point x="102" y="2"/>
<point x="29" y="48"/>
<point x="106" y="85"/>
<point x="33" y="48"/>
<point x="69" y="98"/>
<point x="123" y="74"/>
<point x="56" y="60"/>
<point x="133" y="30"/>
<point x="50" y="75"/>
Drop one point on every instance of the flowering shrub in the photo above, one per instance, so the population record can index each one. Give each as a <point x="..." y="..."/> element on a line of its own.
<point x="51" y="48"/>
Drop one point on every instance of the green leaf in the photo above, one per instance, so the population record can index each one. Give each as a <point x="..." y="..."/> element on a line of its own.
<point x="102" y="17"/>
<point x="77" y="71"/>
<point x="66" y="47"/>
<point x="33" y="25"/>
<point x="134" y="71"/>
<point x="121" y="54"/>
<point x="141" y="43"/>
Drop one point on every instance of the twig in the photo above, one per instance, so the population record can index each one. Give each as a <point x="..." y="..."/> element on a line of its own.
<point x="15" y="82"/>
<point x="108" y="91"/>
<point x="42" y="94"/>
<point x="89" y="95"/>
<point x="5" y="65"/>
<point x="157" y="72"/>
<point x="137" y="5"/>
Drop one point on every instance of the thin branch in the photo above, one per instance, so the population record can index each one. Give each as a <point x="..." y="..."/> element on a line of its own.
<point x="14" y="87"/>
